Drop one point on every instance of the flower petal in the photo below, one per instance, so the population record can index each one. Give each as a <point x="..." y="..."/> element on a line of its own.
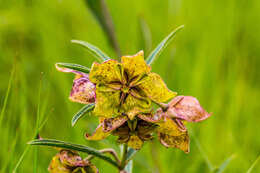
<point x="135" y="142"/>
<point x="154" y="87"/>
<point x="182" y="141"/>
<point x="132" y="106"/>
<point x="153" y="118"/>
<point x="91" y="168"/>
<point x="56" y="166"/>
<point x="111" y="124"/>
<point x="104" y="73"/>
<point x="107" y="102"/>
<point x="135" y="65"/>
<point x="99" y="134"/>
<point x="170" y="127"/>
<point x="145" y="128"/>
<point x="83" y="91"/>
<point x="187" y="108"/>
<point x="71" y="159"/>
<point x="68" y="161"/>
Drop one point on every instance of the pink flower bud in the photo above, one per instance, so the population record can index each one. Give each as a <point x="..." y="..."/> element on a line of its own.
<point x="186" y="108"/>
<point x="83" y="91"/>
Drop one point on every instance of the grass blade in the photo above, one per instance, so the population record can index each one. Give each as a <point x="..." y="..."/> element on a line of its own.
<point x="85" y="109"/>
<point x="201" y="150"/>
<point x="21" y="158"/>
<point x="76" y="147"/>
<point x="7" y="95"/>
<point x="253" y="165"/>
<point x="145" y="36"/>
<point x="156" y="52"/>
<point x="96" y="52"/>
<point x="223" y="166"/>
<point x="70" y="66"/>
<point x="100" y="11"/>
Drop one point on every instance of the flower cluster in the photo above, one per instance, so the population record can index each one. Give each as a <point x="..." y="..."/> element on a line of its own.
<point x="67" y="161"/>
<point x="124" y="93"/>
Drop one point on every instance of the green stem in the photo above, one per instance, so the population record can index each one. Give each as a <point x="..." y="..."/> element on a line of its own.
<point x="124" y="157"/>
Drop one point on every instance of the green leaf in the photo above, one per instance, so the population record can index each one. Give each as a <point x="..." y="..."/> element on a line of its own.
<point x="253" y="165"/>
<point x="70" y="66"/>
<point x="223" y="166"/>
<point x="156" y="52"/>
<point x="129" y="167"/>
<point x="96" y="52"/>
<point x="85" y="109"/>
<point x="130" y="153"/>
<point x="75" y="147"/>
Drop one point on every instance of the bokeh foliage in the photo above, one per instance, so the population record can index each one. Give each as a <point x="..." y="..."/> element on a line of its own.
<point x="215" y="58"/>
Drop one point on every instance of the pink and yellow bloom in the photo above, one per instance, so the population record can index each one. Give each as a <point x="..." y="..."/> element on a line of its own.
<point x="70" y="162"/>
<point x="171" y="131"/>
<point x="127" y="87"/>
<point x="83" y="91"/>
<point x="131" y="132"/>
<point x="123" y="93"/>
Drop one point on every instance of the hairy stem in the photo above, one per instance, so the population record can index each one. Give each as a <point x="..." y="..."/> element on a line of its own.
<point x="109" y="151"/>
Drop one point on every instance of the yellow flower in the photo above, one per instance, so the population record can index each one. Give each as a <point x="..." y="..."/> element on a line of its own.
<point x="70" y="162"/>
<point x="127" y="87"/>
<point x="171" y="131"/>
<point x="132" y="132"/>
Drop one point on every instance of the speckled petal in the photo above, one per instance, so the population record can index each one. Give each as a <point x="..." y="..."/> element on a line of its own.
<point x="111" y="124"/>
<point x="132" y="106"/>
<point x="135" y="65"/>
<point x="145" y="128"/>
<point x="107" y="102"/>
<point x="70" y="162"/>
<point x="91" y="168"/>
<point x="135" y="142"/>
<point x="187" y="108"/>
<point x="99" y="134"/>
<point x="71" y="159"/>
<point x="154" y="87"/>
<point x="87" y="169"/>
<point x="83" y="91"/>
<point x="171" y="127"/>
<point x="181" y="141"/>
<point x="56" y="166"/>
<point x="104" y="73"/>
<point x="153" y="118"/>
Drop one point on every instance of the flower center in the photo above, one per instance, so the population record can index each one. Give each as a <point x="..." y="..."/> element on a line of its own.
<point x="125" y="89"/>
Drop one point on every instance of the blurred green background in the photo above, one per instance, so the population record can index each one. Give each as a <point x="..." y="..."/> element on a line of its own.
<point x="215" y="58"/>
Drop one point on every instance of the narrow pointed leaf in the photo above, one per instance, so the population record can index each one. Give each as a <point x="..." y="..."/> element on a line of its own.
<point x="253" y="165"/>
<point x="85" y="109"/>
<point x="224" y="165"/>
<point x="96" y="52"/>
<point x="129" y="167"/>
<point x="75" y="147"/>
<point x="156" y="52"/>
<point x="130" y="153"/>
<point x="75" y="67"/>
